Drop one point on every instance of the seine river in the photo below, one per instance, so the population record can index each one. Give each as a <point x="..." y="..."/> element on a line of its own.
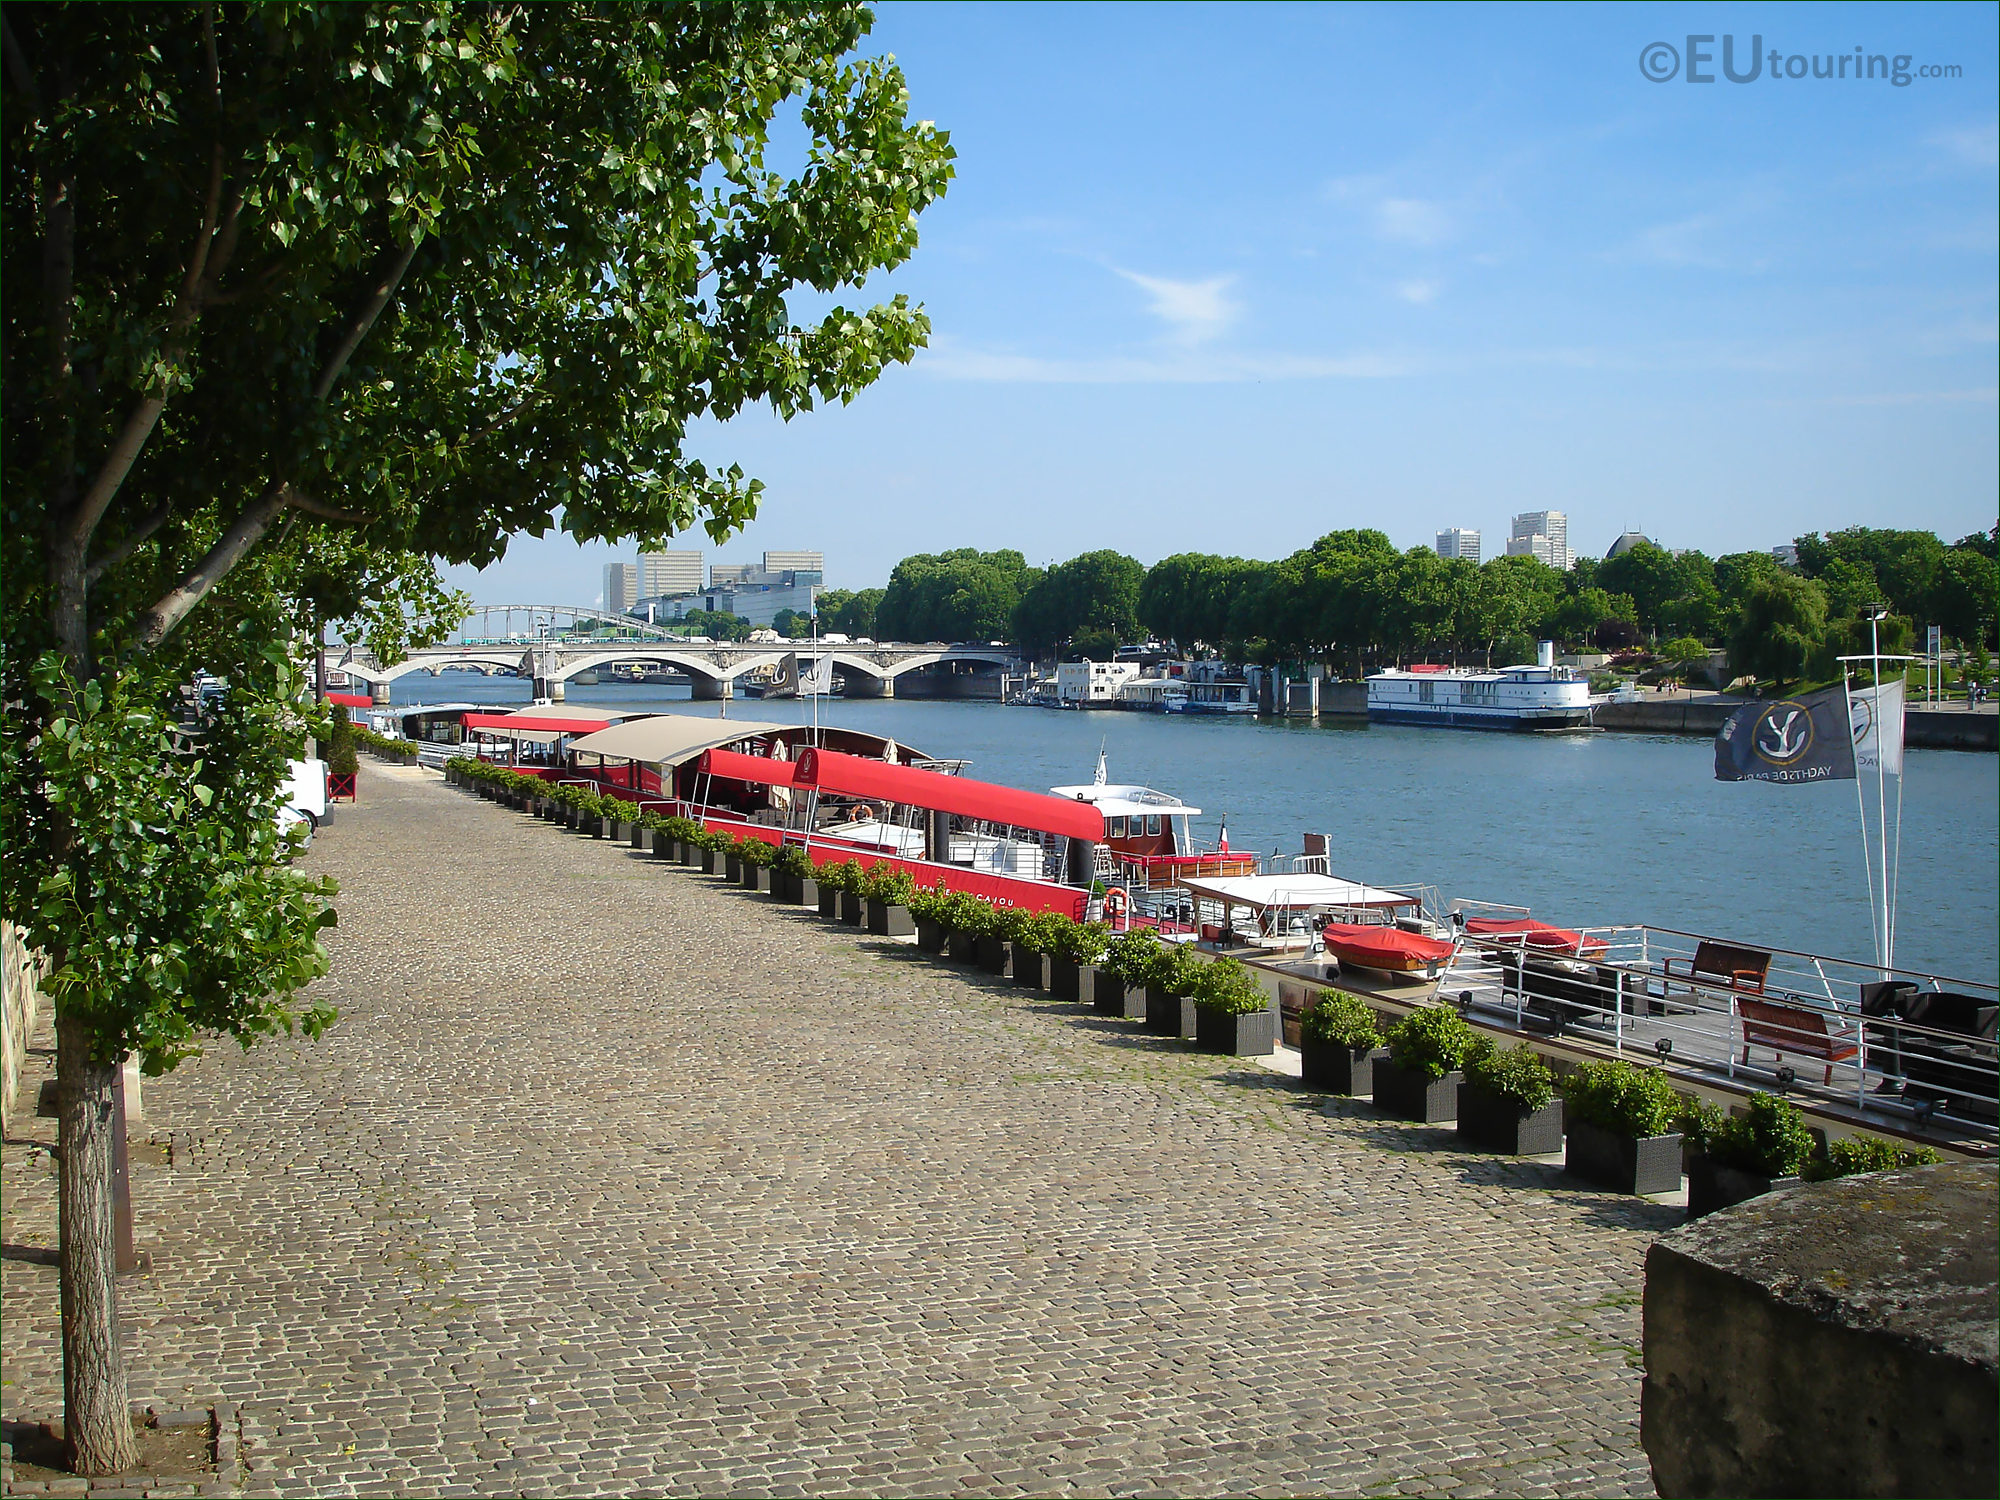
<point x="1585" y="829"/>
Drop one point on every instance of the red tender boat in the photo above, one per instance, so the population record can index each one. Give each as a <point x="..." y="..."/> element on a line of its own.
<point x="1541" y="936"/>
<point x="1389" y="949"/>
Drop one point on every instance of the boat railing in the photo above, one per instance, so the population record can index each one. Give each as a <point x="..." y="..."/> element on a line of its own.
<point x="1907" y="1045"/>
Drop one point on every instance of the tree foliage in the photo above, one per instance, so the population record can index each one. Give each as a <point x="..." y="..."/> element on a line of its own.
<point x="299" y="298"/>
<point x="1086" y="607"/>
<point x="963" y="595"/>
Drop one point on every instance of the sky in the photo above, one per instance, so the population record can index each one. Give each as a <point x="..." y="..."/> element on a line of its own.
<point x="1226" y="278"/>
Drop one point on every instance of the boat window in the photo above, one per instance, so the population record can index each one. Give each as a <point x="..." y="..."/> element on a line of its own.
<point x="1153" y="825"/>
<point x="1114" y="828"/>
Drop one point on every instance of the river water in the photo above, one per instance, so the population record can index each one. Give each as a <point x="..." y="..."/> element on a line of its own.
<point x="1584" y="829"/>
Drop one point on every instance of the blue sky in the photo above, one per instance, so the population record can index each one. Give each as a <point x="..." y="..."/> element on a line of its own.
<point x="1226" y="278"/>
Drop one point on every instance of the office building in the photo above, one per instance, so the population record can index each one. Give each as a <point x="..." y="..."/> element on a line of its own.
<point x="621" y="587"/>
<point x="666" y="573"/>
<point x="1458" y="542"/>
<point x="795" y="562"/>
<point x="1786" y="553"/>
<point x="1542" y="534"/>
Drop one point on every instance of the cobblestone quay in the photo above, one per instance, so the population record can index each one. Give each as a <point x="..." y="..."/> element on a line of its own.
<point x="612" y="1180"/>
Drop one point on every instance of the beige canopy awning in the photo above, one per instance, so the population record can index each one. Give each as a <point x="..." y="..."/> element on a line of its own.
<point x="668" y="739"/>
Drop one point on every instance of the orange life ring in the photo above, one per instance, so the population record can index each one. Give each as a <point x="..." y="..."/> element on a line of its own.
<point x="864" y="813"/>
<point x="1124" y="903"/>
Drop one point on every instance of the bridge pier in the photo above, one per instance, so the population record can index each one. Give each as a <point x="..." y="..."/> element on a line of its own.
<point x="710" y="689"/>
<point x="861" y="685"/>
<point x="550" y="688"/>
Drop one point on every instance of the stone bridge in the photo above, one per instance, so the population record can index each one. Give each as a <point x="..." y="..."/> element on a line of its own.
<point x="870" y="670"/>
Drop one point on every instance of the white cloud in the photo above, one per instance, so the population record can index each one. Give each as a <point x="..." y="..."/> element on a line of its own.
<point x="1419" y="292"/>
<point x="1192" y="310"/>
<point x="1976" y="145"/>
<point x="1413" y="221"/>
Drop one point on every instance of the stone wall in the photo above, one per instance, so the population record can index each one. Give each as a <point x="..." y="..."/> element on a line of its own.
<point x="1835" y="1338"/>
<point x="20" y="1006"/>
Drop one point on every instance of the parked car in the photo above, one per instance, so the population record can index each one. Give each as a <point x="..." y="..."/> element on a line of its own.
<point x="305" y="798"/>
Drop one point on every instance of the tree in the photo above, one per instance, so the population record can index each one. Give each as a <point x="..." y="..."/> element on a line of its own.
<point x="1783" y="621"/>
<point x="1963" y="598"/>
<point x="1088" y="606"/>
<point x="953" y="596"/>
<point x="845" y="612"/>
<point x="400" y="280"/>
<point x="1684" y="655"/>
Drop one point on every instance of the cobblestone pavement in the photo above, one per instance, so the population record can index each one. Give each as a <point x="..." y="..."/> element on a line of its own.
<point x="613" y="1180"/>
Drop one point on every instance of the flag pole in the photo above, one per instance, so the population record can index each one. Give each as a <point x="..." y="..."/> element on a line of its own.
<point x="1875" y="615"/>
<point x="1861" y="815"/>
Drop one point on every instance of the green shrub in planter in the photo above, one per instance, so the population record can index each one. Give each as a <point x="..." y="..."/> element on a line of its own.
<point x="1170" y="978"/>
<point x="1339" y="1042"/>
<point x="1623" y="1099"/>
<point x="887" y="884"/>
<point x="1232" y="1014"/>
<point x="1770" y="1139"/>
<point x="1080" y="942"/>
<point x="930" y="903"/>
<point x="1128" y="957"/>
<point x="966" y="913"/>
<point x="793" y="861"/>
<point x="1419" y="1078"/>
<point x="1431" y="1042"/>
<point x="1508" y="1101"/>
<point x="1867" y="1153"/>
<point x="1621" y="1126"/>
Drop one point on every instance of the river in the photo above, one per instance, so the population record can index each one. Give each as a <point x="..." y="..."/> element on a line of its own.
<point x="1585" y="829"/>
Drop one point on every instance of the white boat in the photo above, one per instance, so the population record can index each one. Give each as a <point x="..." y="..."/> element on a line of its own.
<point x="1149" y="848"/>
<point x="1541" y="695"/>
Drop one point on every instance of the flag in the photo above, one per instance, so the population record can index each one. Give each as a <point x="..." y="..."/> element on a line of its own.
<point x="1798" y="739"/>
<point x="1878" y="726"/>
<point x="819" y="679"/>
<point x="787" y="684"/>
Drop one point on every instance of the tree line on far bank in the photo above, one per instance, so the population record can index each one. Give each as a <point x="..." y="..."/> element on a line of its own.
<point x="1353" y="601"/>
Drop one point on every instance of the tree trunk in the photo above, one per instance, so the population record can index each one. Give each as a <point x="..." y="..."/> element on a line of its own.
<point x="97" y="1417"/>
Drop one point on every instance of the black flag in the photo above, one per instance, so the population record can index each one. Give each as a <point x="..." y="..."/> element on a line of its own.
<point x="1794" y="739"/>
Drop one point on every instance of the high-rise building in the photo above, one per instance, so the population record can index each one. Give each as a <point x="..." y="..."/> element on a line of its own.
<point x="724" y="575"/>
<point x="1787" y="553"/>
<point x="1552" y="527"/>
<point x="663" y="574"/>
<point x="1458" y="542"/>
<point x="795" y="562"/>
<point x="621" y="587"/>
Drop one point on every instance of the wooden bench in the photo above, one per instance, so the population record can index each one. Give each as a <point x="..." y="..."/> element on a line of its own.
<point x="1787" y="1028"/>
<point x="1725" y="964"/>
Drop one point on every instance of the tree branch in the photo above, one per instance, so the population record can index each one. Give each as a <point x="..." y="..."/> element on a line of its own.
<point x="364" y="319"/>
<point x="228" y="550"/>
<point x="299" y="500"/>
<point x="148" y="524"/>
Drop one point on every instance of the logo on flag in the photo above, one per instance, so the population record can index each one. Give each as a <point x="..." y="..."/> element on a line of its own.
<point x="818" y="678"/>
<point x="1793" y="740"/>
<point x="1878" y="727"/>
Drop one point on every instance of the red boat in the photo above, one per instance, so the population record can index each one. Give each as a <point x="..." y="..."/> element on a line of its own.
<point x="1390" y="949"/>
<point x="1540" y="936"/>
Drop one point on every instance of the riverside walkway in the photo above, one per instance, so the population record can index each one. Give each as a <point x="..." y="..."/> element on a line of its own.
<point x="613" y="1180"/>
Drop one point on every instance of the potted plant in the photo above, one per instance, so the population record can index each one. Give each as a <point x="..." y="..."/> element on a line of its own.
<point x="831" y="877"/>
<point x="1339" y="1042"/>
<point x="714" y="851"/>
<point x="853" y="878"/>
<point x="1232" y="1014"/>
<point x="1620" y="1120"/>
<point x="620" y="816"/>
<point x="996" y="947"/>
<point x="755" y="857"/>
<point x="1170" y="990"/>
<point x="1735" y="1158"/>
<point x="1508" y="1101"/>
<point x="1857" y="1154"/>
<point x="1419" y="1078"/>
<point x="1121" y="978"/>
<point x="968" y="921"/>
<point x="1078" y="948"/>
<point x="793" y="877"/>
<point x="886" y="901"/>
<point x="930" y="908"/>
<point x="1029" y="932"/>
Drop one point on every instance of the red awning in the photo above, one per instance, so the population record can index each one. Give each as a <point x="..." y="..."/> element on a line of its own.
<point x="538" y="724"/>
<point x="351" y="700"/>
<point x="856" y="776"/>
<point x="762" y="769"/>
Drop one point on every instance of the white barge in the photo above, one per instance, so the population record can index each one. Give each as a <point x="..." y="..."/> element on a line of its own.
<point x="1538" y="696"/>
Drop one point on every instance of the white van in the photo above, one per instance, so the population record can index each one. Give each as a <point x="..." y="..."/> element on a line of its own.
<point x="305" y="798"/>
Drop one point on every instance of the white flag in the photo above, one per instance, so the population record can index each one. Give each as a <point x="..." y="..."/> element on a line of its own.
<point x="819" y="679"/>
<point x="1878" y="727"/>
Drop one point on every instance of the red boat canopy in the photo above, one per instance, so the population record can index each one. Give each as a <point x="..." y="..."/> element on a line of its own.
<point x="536" y="723"/>
<point x="351" y="700"/>
<point x="1533" y="934"/>
<point x="856" y="776"/>
<point x="733" y="766"/>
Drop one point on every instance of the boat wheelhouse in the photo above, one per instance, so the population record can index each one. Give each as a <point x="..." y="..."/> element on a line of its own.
<point x="1150" y="850"/>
